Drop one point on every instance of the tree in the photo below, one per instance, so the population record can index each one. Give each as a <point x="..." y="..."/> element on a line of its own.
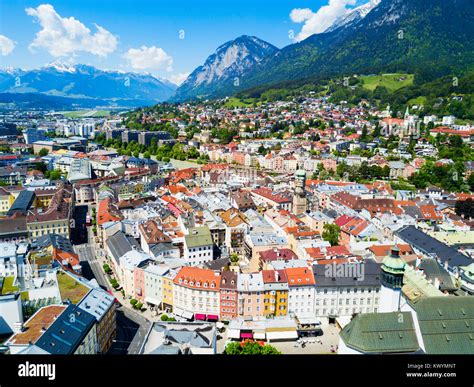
<point x="331" y="233"/>
<point x="363" y="136"/>
<point x="41" y="167"/>
<point x="262" y="150"/>
<point x="133" y="302"/>
<point x="114" y="283"/>
<point x="465" y="208"/>
<point x="470" y="182"/>
<point x="250" y="347"/>
<point x="53" y="175"/>
<point x="43" y="152"/>
<point x="234" y="258"/>
<point x="107" y="268"/>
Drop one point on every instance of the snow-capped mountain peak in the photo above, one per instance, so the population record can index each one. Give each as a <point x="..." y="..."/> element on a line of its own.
<point x="353" y="15"/>
<point x="230" y="60"/>
<point x="81" y="81"/>
<point x="62" y="67"/>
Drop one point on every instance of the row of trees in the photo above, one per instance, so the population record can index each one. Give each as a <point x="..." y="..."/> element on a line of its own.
<point x="250" y="347"/>
<point x="164" y="152"/>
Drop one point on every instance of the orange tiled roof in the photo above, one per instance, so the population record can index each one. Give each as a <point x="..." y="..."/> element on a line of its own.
<point x="299" y="276"/>
<point x="383" y="250"/>
<point x="105" y="213"/>
<point x="197" y="278"/>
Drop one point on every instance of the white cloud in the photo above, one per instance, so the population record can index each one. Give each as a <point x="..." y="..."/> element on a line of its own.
<point x="62" y="36"/>
<point x="149" y="58"/>
<point x="322" y="19"/>
<point x="6" y="45"/>
<point x="299" y="15"/>
<point x="178" y="79"/>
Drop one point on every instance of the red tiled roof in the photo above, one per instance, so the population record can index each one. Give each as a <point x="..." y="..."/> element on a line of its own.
<point x="299" y="276"/>
<point x="197" y="278"/>
<point x="105" y="212"/>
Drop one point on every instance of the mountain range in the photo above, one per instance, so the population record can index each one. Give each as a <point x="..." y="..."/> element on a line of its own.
<point x="84" y="85"/>
<point x="418" y="36"/>
<point x="430" y="38"/>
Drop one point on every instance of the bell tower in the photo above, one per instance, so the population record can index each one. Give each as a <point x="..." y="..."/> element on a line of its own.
<point x="300" y="202"/>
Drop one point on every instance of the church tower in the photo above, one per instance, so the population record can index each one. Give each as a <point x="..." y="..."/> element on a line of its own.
<point x="393" y="269"/>
<point x="300" y="202"/>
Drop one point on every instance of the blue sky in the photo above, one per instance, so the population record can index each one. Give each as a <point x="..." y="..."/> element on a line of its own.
<point x="144" y="35"/>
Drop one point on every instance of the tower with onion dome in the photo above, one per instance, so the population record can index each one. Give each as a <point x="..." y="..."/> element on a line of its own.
<point x="393" y="270"/>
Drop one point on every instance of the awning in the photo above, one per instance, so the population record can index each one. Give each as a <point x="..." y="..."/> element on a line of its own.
<point x="246" y="336"/>
<point x="284" y="335"/>
<point x="187" y="315"/>
<point x="309" y="321"/>
<point x="200" y="316"/>
<point x="178" y="312"/>
<point x="212" y="317"/>
<point x="259" y="335"/>
<point x="233" y="334"/>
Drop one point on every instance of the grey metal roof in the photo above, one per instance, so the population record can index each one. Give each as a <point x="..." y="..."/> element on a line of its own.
<point x="162" y="247"/>
<point x="165" y="350"/>
<point x="429" y="245"/>
<point x="65" y="335"/>
<point x="413" y="211"/>
<point x="433" y="269"/>
<point x="22" y="203"/>
<point x="55" y="240"/>
<point x="173" y="337"/>
<point x="80" y="169"/>
<point x="97" y="302"/>
<point x="119" y="244"/>
<point x="218" y="264"/>
<point x="370" y="270"/>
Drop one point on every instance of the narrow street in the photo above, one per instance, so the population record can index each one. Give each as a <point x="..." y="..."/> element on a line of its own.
<point x="131" y="326"/>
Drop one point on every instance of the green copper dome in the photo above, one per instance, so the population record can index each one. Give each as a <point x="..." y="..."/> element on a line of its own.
<point x="392" y="263"/>
<point x="300" y="173"/>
